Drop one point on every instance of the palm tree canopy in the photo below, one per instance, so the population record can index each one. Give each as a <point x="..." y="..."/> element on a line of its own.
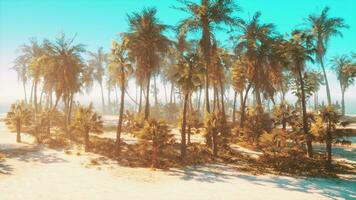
<point x="97" y="61"/>
<point x="145" y="41"/>
<point x="323" y="28"/>
<point x="340" y="63"/>
<point x="119" y="64"/>
<point x="208" y="12"/>
<point x="86" y="119"/>
<point x="67" y="64"/>
<point x="20" y="115"/>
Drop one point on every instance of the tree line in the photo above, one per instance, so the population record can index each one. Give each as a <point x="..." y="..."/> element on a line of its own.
<point x="262" y="64"/>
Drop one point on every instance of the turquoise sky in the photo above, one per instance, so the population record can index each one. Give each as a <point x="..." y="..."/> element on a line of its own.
<point x="96" y="23"/>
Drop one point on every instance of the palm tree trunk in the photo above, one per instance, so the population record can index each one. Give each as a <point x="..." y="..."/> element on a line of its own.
<point x="343" y="102"/>
<point x="116" y="97"/>
<point x="147" y="107"/>
<point x="328" y="146"/>
<point x="70" y="108"/>
<point x="171" y="96"/>
<point x="243" y="106"/>
<point x="326" y="81"/>
<point x="234" y="108"/>
<point x="102" y="97"/>
<point x="24" y="90"/>
<point x="184" y="121"/>
<point x="165" y="94"/>
<point x="86" y="139"/>
<point x="199" y="99"/>
<point x="18" y="131"/>
<point x="109" y="100"/>
<point x="222" y="97"/>
<point x="305" y="119"/>
<point x="140" y="105"/>
<point x="35" y="99"/>
<point x="119" y="124"/>
<point x="31" y="93"/>
<point x="189" y="124"/>
<point x="155" y="85"/>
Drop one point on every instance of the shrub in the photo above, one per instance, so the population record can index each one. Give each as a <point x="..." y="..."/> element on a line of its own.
<point x="155" y="141"/>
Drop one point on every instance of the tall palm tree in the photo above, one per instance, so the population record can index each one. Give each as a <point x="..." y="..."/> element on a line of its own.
<point x="120" y="68"/>
<point x="67" y="64"/>
<point x="86" y="121"/>
<point x="146" y="42"/>
<point x="340" y="63"/>
<point x="97" y="61"/>
<point x="18" y="118"/>
<point x="32" y="54"/>
<point x="299" y="50"/>
<point x="21" y="68"/>
<point x="188" y="78"/>
<point x="205" y="17"/>
<point x="240" y="85"/>
<point x="323" y="28"/>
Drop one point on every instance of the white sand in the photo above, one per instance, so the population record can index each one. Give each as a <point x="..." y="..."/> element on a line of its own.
<point x="39" y="173"/>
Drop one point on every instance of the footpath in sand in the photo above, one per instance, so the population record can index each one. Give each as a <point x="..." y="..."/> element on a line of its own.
<point x="33" y="172"/>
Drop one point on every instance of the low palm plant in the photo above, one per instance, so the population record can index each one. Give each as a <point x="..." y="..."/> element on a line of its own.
<point x="155" y="138"/>
<point x="18" y="118"/>
<point x="324" y="128"/>
<point x="87" y="121"/>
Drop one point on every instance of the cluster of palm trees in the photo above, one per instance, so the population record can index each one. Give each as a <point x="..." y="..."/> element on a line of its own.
<point x="261" y="64"/>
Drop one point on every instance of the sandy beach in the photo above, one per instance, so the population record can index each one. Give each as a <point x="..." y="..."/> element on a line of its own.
<point x="34" y="172"/>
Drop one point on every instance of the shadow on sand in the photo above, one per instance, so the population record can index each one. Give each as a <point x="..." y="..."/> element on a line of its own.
<point x="332" y="188"/>
<point x="27" y="154"/>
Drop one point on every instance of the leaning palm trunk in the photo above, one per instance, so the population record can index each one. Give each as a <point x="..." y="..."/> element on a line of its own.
<point x="119" y="125"/>
<point x="304" y="113"/>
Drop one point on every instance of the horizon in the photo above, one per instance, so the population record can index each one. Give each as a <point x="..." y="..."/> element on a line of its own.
<point x="99" y="22"/>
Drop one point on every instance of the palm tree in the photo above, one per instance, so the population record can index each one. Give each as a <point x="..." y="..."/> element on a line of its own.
<point x="97" y="61"/>
<point x="261" y="47"/>
<point x="299" y="50"/>
<point x="240" y="84"/>
<point x="188" y="78"/>
<point x="67" y="66"/>
<point x="21" y="69"/>
<point x="18" y="118"/>
<point x="32" y="54"/>
<point x="155" y="137"/>
<point x="345" y="79"/>
<point x="86" y="121"/>
<point x="146" y="42"/>
<point x="324" y="127"/>
<point x="120" y="68"/>
<point x="205" y="17"/>
<point x="323" y="28"/>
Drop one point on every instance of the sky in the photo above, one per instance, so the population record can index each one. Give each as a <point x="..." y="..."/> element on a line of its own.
<point x="97" y="22"/>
